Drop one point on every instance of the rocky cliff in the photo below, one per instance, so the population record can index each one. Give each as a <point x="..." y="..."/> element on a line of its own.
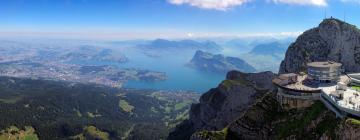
<point x="222" y="105"/>
<point x="332" y="40"/>
<point x="266" y="120"/>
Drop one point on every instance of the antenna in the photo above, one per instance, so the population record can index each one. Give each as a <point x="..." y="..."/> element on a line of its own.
<point x="344" y="16"/>
<point x="324" y="13"/>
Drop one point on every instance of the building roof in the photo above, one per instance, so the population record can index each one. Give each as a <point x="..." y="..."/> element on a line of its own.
<point x="324" y="64"/>
<point x="287" y="75"/>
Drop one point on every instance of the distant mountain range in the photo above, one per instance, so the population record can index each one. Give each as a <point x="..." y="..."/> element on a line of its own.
<point x="218" y="63"/>
<point x="163" y="45"/>
<point x="246" y="45"/>
<point x="273" y="48"/>
<point x="267" y="56"/>
<point x="93" y="53"/>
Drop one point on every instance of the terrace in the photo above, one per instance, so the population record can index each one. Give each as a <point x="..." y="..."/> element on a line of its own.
<point x="346" y="100"/>
<point x="301" y="84"/>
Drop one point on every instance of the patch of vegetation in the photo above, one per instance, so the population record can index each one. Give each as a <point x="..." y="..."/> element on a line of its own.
<point x="357" y="88"/>
<point x="125" y="106"/>
<point x="78" y="113"/>
<point x="229" y="83"/>
<point x="214" y="135"/>
<point x="14" y="133"/>
<point x="182" y="105"/>
<point x="168" y="109"/>
<point x="353" y="121"/>
<point x="94" y="132"/>
<point x="92" y="115"/>
<point x="328" y="126"/>
<point x="179" y="118"/>
<point x="11" y="100"/>
<point x="297" y="125"/>
<point x="91" y="132"/>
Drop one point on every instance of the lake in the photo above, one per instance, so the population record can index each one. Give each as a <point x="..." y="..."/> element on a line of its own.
<point x="179" y="76"/>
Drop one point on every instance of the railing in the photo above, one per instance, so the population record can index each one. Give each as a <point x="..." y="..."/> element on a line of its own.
<point x="297" y="90"/>
<point x="308" y="97"/>
<point x="340" y="105"/>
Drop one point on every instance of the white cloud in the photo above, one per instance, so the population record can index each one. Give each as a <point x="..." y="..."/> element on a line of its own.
<point x="96" y="35"/>
<point x="355" y="1"/>
<point x="222" y="5"/>
<point x="272" y="34"/>
<point x="190" y="35"/>
<point x="303" y="2"/>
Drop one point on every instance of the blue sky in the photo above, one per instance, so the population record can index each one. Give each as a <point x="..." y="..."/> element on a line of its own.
<point x="132" y="19"/>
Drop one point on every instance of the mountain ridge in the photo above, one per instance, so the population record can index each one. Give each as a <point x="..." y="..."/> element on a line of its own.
<point x="218" y="63"/>
<point x="181" y="44"/>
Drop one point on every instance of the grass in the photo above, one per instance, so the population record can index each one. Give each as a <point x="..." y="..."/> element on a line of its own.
<point x="214" y="135"/>
<point x="13" y="133"/>
<point x="91" y="132"/>
<point x="184" y="115"/>
<point x="229" y="83"/>
<point x="125" y="106"/>
<point x="328" y="126"/>
<point x="182" y="105"/>
<point x="357" y="88"/>
<point x="78" y="113"/>
<point x="11" y="100"/>
<point x="31" y="137"/>
<point x="168" y="109"/>
<point x="353" y="121"/>
<point x="296" y="126"/>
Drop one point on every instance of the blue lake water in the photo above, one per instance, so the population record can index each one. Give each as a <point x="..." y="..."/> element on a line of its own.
<point x="179" y="76"/>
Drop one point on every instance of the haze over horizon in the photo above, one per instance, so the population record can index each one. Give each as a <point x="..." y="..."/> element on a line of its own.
<point x="149" y="19"/>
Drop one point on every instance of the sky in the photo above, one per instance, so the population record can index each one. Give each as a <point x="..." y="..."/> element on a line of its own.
<point x="147" y="19"/>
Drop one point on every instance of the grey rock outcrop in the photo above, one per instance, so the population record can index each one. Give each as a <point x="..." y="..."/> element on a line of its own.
<point x="222" y="105"/>
<point x="332" y="40"/>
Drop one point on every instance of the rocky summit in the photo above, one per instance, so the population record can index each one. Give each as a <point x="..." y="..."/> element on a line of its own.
<point x="333" y="40"/>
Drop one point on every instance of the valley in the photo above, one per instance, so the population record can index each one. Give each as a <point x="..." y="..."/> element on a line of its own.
<point x="62" y="110"/>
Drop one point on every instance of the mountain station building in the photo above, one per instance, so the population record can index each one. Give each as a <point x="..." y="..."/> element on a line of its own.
<point x="324" y="81"/>
<point x="324" y="71"/>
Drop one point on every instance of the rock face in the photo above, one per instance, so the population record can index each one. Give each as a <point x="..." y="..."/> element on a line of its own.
<point x="220" y="106"/>
<point x="332" y="40"/>
<point x="265" y="120"/>
<point x="218" y="63"/>
<point x="348" y="131"/>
